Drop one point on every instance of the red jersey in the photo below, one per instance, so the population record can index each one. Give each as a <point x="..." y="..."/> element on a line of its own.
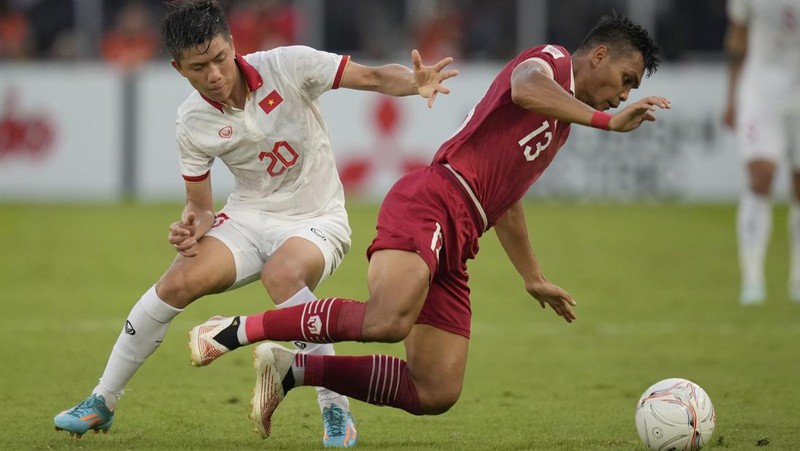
<point x="501" y="149"/>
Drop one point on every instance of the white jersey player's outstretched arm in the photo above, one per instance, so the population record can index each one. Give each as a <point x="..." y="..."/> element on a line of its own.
<point x="398" y="80"/>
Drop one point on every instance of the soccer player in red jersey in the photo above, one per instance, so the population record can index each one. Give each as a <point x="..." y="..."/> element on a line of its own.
<point x="429" y="225"/>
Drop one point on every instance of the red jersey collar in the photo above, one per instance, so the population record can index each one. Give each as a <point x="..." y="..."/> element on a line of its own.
<point x="251" y="77"/>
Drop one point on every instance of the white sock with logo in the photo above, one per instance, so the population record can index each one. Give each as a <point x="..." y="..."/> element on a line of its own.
<point x="325" y="397"/>
<point x="142" y="333"/>
<point x="754" y="224"/>
<point x="794" y="255"/>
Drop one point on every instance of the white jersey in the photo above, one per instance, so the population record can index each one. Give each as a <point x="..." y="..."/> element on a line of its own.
<point x="277" y="147"/>
<point x="771" y="73"/>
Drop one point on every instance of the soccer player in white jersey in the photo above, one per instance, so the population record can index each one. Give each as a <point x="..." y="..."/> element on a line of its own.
<point x="763" y="105"/>
<point x="285" y="223"/>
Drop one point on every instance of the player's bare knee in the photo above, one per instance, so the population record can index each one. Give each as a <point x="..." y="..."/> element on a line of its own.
<point x="760" y="175"/>
<point x="281" y="281"/>
<point x="439" y="403"/>
<point x="760" y="187"/>
<point x="435" y="395"/>
<point x="177" y="290"/>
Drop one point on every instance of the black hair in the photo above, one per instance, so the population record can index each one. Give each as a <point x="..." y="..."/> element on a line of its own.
<point x="620" y="33"/>
<point x="191" y="24"/>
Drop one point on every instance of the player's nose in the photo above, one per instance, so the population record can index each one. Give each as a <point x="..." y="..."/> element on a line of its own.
<point x="214" y="74"/>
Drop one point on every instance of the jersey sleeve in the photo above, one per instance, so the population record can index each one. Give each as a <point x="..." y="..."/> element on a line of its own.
<point x="194" y="164"/>
<point x="555" y="59"/>
<point x="313" y="71"/>
<point x="739" y="11"/>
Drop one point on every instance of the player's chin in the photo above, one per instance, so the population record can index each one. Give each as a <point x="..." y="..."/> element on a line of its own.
<point x="217" y="95"/>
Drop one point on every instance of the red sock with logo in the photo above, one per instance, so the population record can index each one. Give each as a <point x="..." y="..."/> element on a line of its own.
<point x="376" y="379"/>
<point x="323" y="321"/>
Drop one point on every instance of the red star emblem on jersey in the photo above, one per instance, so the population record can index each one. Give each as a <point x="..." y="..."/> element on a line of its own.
<point x="270" y="102"/>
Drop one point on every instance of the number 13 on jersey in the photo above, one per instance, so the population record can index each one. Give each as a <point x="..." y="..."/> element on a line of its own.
<point x="548" y="136"/>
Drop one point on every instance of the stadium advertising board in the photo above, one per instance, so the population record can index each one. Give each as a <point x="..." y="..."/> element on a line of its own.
<point x="60" y="135"/>
<point x="63" y="138"/>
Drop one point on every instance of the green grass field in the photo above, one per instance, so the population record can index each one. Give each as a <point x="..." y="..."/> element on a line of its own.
<point x="656" y="285"/>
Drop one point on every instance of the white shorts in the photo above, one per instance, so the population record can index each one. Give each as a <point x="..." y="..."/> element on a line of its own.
<point x="769" y="135"/>
<point x="253" y="236"/>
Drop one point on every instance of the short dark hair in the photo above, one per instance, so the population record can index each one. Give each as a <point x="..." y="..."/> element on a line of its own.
<point x="192" y="23"/>
<point x="620" y="33"/>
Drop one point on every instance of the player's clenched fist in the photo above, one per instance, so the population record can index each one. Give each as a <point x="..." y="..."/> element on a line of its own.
<point x="182" y="235"/>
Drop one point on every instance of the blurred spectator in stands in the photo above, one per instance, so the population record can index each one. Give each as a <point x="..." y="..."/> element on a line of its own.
<point x="15" y="33"/>
<point x="264" y="24"/>
<point x="688" y="29"/>
<point x="439" y="29"/>
<point x="491" y="29"/>
<point x="66" y="45"/>
<point x="342" y="32"/>
<point x="373" y="30"/>
<point x="49" y="19"/>
<point x="133" y="39"/>
<point x="568" y="20"/>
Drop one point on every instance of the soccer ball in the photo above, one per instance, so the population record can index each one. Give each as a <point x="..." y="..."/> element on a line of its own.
<point x="675" y="414"/>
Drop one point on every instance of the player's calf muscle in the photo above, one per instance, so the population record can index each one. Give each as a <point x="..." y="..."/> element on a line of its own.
<point x="387" y="328"/>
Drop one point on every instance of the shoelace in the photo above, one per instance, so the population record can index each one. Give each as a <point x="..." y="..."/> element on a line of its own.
<point x="335" y="421"/>
<point x="85" y="406"/>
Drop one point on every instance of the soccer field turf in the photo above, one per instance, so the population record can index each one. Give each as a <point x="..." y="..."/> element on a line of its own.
<point x="657" y="292"/>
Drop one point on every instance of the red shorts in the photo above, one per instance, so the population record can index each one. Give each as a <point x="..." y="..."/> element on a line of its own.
<point x="428" y="212"/>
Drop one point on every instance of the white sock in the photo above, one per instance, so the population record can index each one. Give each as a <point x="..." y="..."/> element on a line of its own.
<point x="794" y="240"/>
<point x="754" y="224"/>
<point x="325" y="397"/>
<point x="142" y="333"/>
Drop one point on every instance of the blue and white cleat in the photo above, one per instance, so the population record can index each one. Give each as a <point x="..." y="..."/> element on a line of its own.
<point x="753" y="294"/>
<point x="340" y="429"/>
<point x="91" y="414"/>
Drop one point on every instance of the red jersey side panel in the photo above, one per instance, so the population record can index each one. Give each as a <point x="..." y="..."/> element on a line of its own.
<point x="501" y="148"/>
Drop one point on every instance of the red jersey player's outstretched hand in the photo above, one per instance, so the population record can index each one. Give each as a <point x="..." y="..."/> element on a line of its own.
<point x="429" y="78"/>
<point x="548" y="293"/>
<point x="634" y="114"/>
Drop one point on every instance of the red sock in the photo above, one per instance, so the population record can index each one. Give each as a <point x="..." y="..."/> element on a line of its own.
<point x="322" y="321"/>
<point x="376" y="379"/>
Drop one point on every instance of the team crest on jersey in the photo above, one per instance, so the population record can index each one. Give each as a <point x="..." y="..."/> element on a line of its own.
<point x="226" y="132"/>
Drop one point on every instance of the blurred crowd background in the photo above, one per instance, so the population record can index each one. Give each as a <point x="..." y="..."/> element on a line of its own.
<point x="125" y="32"/>
<point x="121" y="115"/>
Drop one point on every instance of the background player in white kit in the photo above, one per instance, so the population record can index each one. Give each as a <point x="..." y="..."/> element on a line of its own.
<point x="285" y="223"/>
<point x="763" y="104"/>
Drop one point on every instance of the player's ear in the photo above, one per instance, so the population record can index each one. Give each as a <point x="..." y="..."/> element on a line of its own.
<point x="599" y="54"/>
<point x="233" y="47"/>
<point x="177" y="67"/>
